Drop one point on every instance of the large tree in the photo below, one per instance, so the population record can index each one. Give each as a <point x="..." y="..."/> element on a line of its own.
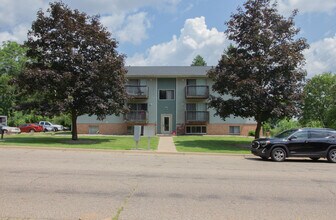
<point x="320" y="100"/>
<point x="12" y="60"/>
<point x="198" y="61"/>
<point x="262" y="72"/>
<point x="75" y="66"/>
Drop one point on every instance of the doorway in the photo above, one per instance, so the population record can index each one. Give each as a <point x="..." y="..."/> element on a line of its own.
<point x="166" y="123"/>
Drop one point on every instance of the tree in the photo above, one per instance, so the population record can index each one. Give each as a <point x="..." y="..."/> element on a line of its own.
<point x="198" y="61"/>
<point x="12" y="60"/>
<point x="262" y="72"/>
<point x="320" y="100"/>
<point x="75" y="68"/>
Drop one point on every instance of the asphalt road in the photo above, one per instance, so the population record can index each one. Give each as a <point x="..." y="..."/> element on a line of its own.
<point x="57" y="184"/>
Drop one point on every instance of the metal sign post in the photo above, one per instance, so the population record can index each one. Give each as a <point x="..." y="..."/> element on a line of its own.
<point x="2" y="132"/>
<point x="137" y="134"/>
<point x="149" y="131"/>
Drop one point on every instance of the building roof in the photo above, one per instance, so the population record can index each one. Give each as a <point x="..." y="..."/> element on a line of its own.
<point x="167" y="71"/>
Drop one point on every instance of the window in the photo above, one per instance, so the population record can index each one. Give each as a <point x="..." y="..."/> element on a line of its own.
<point x="166" y="94"/>
<point x="138" y="106"/>
<point x="130" y="130"/>
<point x="133" y="82"/>
<point x="191" y="82"/>
<point x="319" y="134"/>
<point x="196" y="129"/>
<point x="234" y="129"/>
<point x="301" y="135"/>
<point x="191" y="107"/>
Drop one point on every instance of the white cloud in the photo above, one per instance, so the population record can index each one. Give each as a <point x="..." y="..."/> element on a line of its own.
<point x="135" y="28"/>
<point x="121" y="17"/>
<point x="321" y="56"/>
<point x="195" y="38"/>
<point x="307" y="6"/>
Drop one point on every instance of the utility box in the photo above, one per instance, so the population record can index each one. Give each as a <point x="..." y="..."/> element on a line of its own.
<point x="149" y="131"/>
<point x="137" y="132"/>
<point x="3" y="120"/>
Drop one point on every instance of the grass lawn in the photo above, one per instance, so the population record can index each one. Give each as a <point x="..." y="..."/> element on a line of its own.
<point x="213" y="144"/>
<point x="88" y="142"/>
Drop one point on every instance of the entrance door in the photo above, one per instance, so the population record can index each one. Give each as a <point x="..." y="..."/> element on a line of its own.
<point x="166" y="123"/>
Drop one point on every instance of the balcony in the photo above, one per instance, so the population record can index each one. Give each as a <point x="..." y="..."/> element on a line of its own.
<point x="196" y="117"/>
<point x="137" y="92"/>
<point x="197" y="92"/>
<point x="136" y="117"/>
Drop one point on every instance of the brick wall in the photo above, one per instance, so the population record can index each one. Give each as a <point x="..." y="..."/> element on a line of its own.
<point x="116" y="129"/>
<point x="223" y="129"/>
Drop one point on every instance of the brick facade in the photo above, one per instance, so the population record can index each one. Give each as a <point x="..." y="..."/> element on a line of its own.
<point x="223" y="129"/>
<point x="115" y="129"/>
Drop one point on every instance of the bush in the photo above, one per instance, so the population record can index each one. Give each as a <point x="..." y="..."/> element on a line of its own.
<point x="251" y="133"/>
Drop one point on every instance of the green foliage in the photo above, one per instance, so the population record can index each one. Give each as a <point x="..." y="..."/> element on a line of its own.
<point x="12" y="60"/>
<point x="314" y="124"/>
<point x="320" y="100"/>
<point x="198" y="61"/>
<point x="285" y="124"/>
<point x="263" y="70"/>
<point x="75" y="68"/>
<point x="251" y="133"/>
<point x="63" y="119"/>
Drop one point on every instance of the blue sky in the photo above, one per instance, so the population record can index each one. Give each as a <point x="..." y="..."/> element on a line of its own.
<point x="173" y="32"/>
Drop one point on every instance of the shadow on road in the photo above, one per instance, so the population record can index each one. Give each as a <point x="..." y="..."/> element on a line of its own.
<point x="289" y="160"/>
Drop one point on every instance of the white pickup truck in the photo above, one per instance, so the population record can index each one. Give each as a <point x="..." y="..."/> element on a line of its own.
<point x="48" y="126"/>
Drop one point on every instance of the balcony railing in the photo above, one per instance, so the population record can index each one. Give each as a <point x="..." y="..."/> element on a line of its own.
<point x="137" y="92"/>
<point x="137" y="116"/>
<point x="197" y="92"/>
<point x="197" y="116"/>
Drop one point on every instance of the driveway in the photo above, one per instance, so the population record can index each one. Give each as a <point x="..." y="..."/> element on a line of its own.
<point x="75" y="184"/>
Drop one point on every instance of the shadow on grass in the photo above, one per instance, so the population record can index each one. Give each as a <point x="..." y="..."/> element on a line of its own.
<point x="56" y="141"/>
<point x="214" y="145"/>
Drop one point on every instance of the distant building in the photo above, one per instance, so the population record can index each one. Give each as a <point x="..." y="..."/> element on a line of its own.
<point x="174" y="99"/>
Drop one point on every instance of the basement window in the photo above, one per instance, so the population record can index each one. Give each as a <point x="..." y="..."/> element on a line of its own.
<point x="234" y="129"/>
<point x="195" y="129"/>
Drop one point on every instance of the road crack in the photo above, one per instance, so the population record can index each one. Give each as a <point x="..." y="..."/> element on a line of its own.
<point x="124" y="203"/>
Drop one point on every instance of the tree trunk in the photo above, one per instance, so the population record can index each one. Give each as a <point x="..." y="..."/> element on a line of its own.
<point x="257" y="130"/>
<point x="74" y="126"/>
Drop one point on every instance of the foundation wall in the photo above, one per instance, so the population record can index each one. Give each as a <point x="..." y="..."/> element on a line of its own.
<point x="115" y="129"/>
<point x="223" y="129"/>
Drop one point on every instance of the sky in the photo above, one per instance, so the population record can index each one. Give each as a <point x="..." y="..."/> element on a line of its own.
<point x="173" y="32"/>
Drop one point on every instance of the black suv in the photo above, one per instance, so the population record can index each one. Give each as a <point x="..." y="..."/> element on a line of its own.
<point x="305" y="142"/>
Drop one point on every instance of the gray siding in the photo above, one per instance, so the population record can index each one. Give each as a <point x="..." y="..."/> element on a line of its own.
<point x="166" y="106"/>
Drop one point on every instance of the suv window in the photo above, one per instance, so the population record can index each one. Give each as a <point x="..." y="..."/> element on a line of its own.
<point x="301" y="135"/>
<point x="319" y="134"/>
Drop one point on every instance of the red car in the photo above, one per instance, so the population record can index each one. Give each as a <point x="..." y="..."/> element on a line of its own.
<point x="31" y="128"/>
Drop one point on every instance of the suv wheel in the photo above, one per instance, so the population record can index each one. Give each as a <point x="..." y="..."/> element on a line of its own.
<point x="278" y="154"/>
<point x="332" y="155"/>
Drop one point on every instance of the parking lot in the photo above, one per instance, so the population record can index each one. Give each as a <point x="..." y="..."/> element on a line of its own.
<point x="83" y="184"/>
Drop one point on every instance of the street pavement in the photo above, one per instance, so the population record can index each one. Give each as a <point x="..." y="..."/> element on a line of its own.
<point x="79" y="184"/>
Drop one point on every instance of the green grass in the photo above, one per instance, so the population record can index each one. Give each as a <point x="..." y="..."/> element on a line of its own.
<point x="87" y="142"/>
<point x="213" y="144"/>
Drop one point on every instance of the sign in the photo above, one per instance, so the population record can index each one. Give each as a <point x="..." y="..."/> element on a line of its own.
<point x="3" y="120"/>
<point x="149" y="131"/>
<point x="137" y="135"/>
<point x="137" y="132"/>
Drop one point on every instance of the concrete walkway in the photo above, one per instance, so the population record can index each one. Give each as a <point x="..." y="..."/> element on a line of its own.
<point x="166" y="144"/>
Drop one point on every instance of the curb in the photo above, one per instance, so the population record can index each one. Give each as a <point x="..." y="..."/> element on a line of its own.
<point x="122" y="151"/>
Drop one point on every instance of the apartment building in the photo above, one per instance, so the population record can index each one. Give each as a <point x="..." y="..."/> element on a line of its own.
<point x="173" y="99"/>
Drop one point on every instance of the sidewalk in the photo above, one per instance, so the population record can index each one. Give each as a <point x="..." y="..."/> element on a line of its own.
<point x="166" y="144"/>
